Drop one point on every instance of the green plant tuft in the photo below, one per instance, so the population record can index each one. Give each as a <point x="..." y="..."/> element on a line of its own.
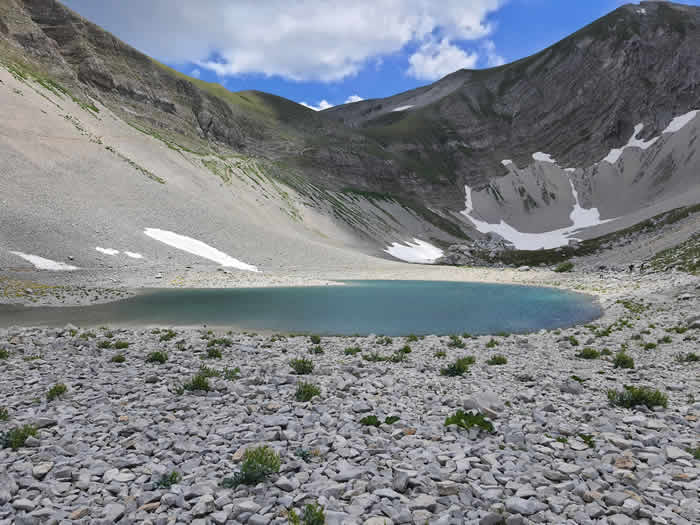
<point x="352" y="350"/>
<point x="564" y="267"/>
<point x="492" y="343"/>
<point x="623" y="360"/>
<point x="121" y="345"/>
<point x="459" y="367"/>
<point x="315" y="339"/>
<point x="168" y="480"/>
<point x="4" y="414"/>
<point x="467" y="420"/>
<point x="157" y="357"/>
<point x="588" y="353"/>
<point x="302" y="366"/>
<point x="316" y="350"/>
<point x="306" y="392"/>
<point x="118" y="358"/>
<point x="258" y="464"/>
<point x="313" y="515"/>
<point x="168" y="335"/>
<point x="456" y="342"/>
<point x="370" y="421"/>
<point x="497" y="360"/>
<point x="56" y="391"/>
<point x="198" y="382"/>
<point x="632" y="396"/>
<point x="214" y="353"/>
<point x="16" y="437"/>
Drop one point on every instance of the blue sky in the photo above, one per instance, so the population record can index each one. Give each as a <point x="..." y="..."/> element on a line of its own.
<point x="331" y="50"/>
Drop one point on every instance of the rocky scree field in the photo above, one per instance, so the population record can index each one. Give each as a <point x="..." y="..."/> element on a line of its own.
<point x="595" y="424"/>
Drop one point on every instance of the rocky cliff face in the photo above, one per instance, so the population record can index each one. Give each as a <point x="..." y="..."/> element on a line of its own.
<point x="575" y="101"/>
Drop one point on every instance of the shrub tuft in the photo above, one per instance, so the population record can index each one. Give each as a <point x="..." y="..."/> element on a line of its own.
<point x="302" y="366"/>
<point x="497" y="360"/>
<point x="56" y="391"/>
<point x="467" y="420"/>
<point x="306" y="392"/>
<point x="157" y="357"/>
<point x="459" y="367"/>
<point x="623" y="360"/>
<point x="259" y="463"/>
<point x="632" y="396"/>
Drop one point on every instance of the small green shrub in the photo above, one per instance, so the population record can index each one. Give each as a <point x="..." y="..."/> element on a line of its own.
<point x="4" y="414"/>
<point x="4" y="354"/>
<point x="168" y="335"/>
<point x="313" y="515"/>
<point x="214" y="353"/>
<point x="374" y="357"/>
<point x="605" y="351"/>
<point x="573" y="341"/>
<point x="353" y="350"/>
<point x="56" y="391"/>
<point x="121" y="345"/>
<point x="118" y="358"/>
<point x="315" y="339"/>
<point x="198" y="382"/>
<point x="370" y="421"/>
<point x="258" y="464"/>
<point x="386" y="341"/>
<point x="690" y="357"/>
<point x="695" y="452"/>
<point x="207" y="372"/>
<point x="564" y="267"/>
<point x="632" y="396"/>
<point x="588" y="439"/>
<point x="168" y="480"/>
<point x="467" y="420"/>
<point x="440" y="354"/>
<point x="398" y="357"/>
<point x="459" y="367"/>
<point x="303" y="454"/>
<point x="649" y="346"/>
<point x="232" y="374"/>
<point x="221" y="341"/>
<point x="588" y="353"/>
<point x="665" y="340"/>
<point x="497" y="360"/>
<point x="456" y="342"/>
<point x="104" y="344"/>
<point x="316" y="350"/>
<point x="492" y="343"/>
<point x="157" y="357"/>
<point x="578" y="379"/>
<point x="623" y="360"/>
<point x="390" y="420"/>
<point x="16" y="437"/>
<point x="405" y="349"/>
<point x="306" y="392"/>
<point x="302" y="366"/>
<point x="412" y="338"/>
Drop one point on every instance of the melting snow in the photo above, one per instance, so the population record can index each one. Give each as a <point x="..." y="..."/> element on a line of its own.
<point x="507" y="162"/>
<point x="581" y="218"/>
<point x="107" y="251"/>
<point x="543" y="157"/>
<point x="45" y="264"/>
<point x="196" y="247"/>
<point x="415" y="252"/>
<point x="402" y="108"/>
<point x="679" y="122"/>
<point x="134" y="255"/>
<point x="634" y="142"/>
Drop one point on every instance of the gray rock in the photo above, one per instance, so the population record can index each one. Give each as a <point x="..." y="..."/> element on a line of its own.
<point x="486" y="402"/>
<point x="526" y="507"/>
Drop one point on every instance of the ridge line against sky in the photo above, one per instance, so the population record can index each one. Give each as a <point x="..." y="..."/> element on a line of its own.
<point x="321" y="53"/>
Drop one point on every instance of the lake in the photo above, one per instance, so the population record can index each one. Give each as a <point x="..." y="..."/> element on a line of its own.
<point x="358" y="307"/>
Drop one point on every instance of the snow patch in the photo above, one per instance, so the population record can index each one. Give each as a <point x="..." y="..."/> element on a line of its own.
<point x="107" y="251"/>
<point x="402" y="108"/>
<point x="679" y="122"/>
<point x="415" y="252"/>
<point x="45" y="264"/>
<point x="633" y="142"/>
<point x="580" y="217"/>
<point x="543" y="157"/>
<point x="195" y="247"/>
<point x="642" y="11"/>
<point x="506" y="162"/>
<point x="133" y="255"/>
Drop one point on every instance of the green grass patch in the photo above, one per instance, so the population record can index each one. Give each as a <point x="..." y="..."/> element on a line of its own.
<point x="497" y="360"/>
<point x="302" y="366"/>
<point x="158" y="356"/>
<point x="467" y="420"/>
<point x="118" y="358"/>
<point x="56" y="391"/>
<point x="588" y="353"/>
<point x="632" y="396"/>
<point x="16" y="437"/>
<point x="306" y="392"/>
<point x="459" y="367"/>
<point x="258" y="464"/>
<point x="623" y="360"/>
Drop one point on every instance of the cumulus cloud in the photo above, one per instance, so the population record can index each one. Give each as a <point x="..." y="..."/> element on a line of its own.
<point x="353" y="98"/>
<point x="314" y="40"/>
<point x="434" y="60"/>
<point x="324" y="104"/>
<point x="196" y="73"/>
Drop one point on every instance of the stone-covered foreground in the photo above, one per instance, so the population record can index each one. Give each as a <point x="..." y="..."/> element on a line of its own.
<point x="559" y="453"/>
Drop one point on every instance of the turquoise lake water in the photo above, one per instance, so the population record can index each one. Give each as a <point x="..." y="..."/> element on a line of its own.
<point x="359" y="307"/>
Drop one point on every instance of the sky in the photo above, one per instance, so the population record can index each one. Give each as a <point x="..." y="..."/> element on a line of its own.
<point x="327" y="52"/>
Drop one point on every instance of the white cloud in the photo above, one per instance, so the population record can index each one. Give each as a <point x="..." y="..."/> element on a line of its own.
<point x="493" y="59"/>
<point x="434" y="60"/>
<point x="324" y="104"/>
<point x="325" y="40"/>
<point x="196" y="73"/>
<point x="353" y="98"/>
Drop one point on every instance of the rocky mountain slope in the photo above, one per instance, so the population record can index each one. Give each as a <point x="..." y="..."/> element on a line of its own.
<point x="409" y="174"/>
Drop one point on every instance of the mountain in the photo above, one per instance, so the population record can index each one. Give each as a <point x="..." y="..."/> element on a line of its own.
<point x="440" y="164"/>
